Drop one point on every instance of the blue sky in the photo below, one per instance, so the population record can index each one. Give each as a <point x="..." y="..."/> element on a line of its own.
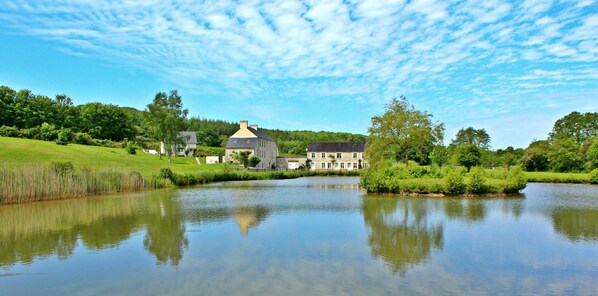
<point x="512" y="68"/>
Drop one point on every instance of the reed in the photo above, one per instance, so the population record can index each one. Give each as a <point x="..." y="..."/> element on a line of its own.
<point x="28" y="183"/>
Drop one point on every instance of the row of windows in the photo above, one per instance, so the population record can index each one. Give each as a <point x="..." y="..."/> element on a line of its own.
<point x="342" y="165"/>
<point x="338" y="154"/>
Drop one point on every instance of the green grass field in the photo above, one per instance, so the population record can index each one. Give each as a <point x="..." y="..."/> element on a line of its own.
<point x="24" y="151"/>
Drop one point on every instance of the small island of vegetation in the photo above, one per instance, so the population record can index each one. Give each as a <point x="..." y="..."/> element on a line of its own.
<point x="406" y="156"/>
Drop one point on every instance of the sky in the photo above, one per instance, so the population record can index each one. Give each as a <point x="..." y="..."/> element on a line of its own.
<point x="510" y="67"/>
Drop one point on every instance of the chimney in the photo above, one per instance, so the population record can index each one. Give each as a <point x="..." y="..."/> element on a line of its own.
<point x="243" y="124"/>
<point x="254" y="126"/>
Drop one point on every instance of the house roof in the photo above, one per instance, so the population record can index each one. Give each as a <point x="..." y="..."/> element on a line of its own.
<point x="260" y="134"/>
<point x="190" y="137"/>
<point x="241" y="143"/>
<point x="336" y="147"/>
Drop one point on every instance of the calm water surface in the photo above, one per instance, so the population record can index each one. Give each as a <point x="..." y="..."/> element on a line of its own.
<point x="312" y="236"/>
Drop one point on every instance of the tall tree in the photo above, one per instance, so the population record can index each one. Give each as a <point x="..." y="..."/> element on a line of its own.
<point x="577" y="126"/>
<point x="166" y="118"/>
<point x="470" y="135"/>
<point x="402" y="129"/>
<point x="105" y="121"/>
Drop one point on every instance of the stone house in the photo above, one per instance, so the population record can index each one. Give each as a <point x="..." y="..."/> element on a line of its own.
<point x="336" y="155"/>
<point x="257" y="142"/>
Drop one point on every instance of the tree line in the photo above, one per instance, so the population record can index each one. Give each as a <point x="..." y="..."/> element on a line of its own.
<point x="404" y="134"/>
<point x="34" y="116"/>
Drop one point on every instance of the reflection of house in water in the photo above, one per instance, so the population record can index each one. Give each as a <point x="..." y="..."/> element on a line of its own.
<point x="249" y="217"/>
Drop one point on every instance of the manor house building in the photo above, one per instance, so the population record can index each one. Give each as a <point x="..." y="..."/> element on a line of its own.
<point x="257" y="142"/>
<point x="336" y="155"/>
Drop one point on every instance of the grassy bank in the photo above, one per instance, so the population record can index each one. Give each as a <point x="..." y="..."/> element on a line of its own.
<point x="34" y="170"/>
<point x="551" y="177"/>
<point x="16" y="151"/>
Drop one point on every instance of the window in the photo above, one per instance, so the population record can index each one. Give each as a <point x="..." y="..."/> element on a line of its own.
<point x="323" y="155"/>
<point x="339" y="155"/>
<point x="355" y="155"/>
<point x="342" y="165"/>
<point x="313" y="155"/>
<point x="323" y="165"/>
<point x="354" y="165"/>
<point x="336" y="165"/>
<point x="329" y="165"/>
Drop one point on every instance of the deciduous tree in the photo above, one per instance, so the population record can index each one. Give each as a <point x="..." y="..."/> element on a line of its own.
<point x="166" y="118"/>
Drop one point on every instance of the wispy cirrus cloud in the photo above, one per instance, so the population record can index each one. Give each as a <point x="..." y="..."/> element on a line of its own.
<point x="459" y="59"/>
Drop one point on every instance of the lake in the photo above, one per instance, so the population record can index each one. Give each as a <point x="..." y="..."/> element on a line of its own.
<point x="307" y="236"/>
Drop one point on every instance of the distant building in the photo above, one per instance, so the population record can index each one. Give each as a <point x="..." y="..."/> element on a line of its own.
<point x="336" y="155"/>
<point x="188" y="149"/>
<point x="257" y="142"/>
<point x="290" y="162"/>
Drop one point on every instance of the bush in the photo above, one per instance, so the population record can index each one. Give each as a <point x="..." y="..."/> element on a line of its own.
<point x="64" y="136"/>
<point x="131" y="147"/>
<point x="45" y="132"/>
<point x="166" y="173"/>
<point x="477" y="181"/>
<point x="83" y="138"/>
<point x="514" y="181"/>
<point x="594" y="176"/>
<point x="454" y="182"/>
<point x="9" y="131"/>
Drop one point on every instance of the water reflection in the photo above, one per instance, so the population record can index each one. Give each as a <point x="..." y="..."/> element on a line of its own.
<point x="39" y="230"/>
<point x="34" y="231"/>
<point x="249" y="217"/>
<point x="400" y="231"/>
<point x="165" y="236"/>
<point x="576" y="224"/>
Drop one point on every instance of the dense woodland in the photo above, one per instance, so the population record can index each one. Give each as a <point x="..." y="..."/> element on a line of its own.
<point x="572" y="145"/>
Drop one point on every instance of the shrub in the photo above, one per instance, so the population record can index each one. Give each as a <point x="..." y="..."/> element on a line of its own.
<point x="9" y="131"/>
<point x="594" y="176"/>
<point x="477" y="181"/>
<point x="45" y="132"/>
<point x="454" y="182"/>
<point x="83" y="138"/>
<point x="131" y="147"/>
<point x="514" y="181"/>
<point x="64" y="136"/>
<point x="166" y="173"/>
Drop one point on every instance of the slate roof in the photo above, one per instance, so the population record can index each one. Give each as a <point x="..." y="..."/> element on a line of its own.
<point x="190" y="137"/>
<point x="260" y="134"/>
<point x="336" y="147"/>
<point x="242" y="143"/>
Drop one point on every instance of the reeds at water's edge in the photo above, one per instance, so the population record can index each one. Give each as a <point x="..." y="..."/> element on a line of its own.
<point x="29" y="182"/>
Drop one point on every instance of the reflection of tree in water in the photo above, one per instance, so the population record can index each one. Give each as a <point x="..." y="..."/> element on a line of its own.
<point x="30" y="231"/>
<point x="576" y="224"/>
<point x="399" y="231"/>
<point x="165" y="237"/>
<point x="468" y="209"/>
<point x="249" y="217"/>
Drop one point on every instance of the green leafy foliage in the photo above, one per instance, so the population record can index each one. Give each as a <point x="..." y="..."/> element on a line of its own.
<point x="472" y="136"/>
<point x="477" y="181"/>
<point x="455" y="182"/>
<point x="253" y="161"/>
<point x="402" y="133"/>
<point x="594" y="176"/>
<point x="468" y="155"/>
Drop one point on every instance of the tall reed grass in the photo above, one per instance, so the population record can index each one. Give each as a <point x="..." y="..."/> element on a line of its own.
<point x="29" y="182"/>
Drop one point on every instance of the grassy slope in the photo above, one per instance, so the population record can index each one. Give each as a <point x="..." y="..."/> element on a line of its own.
<point x="15" y="150"/>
